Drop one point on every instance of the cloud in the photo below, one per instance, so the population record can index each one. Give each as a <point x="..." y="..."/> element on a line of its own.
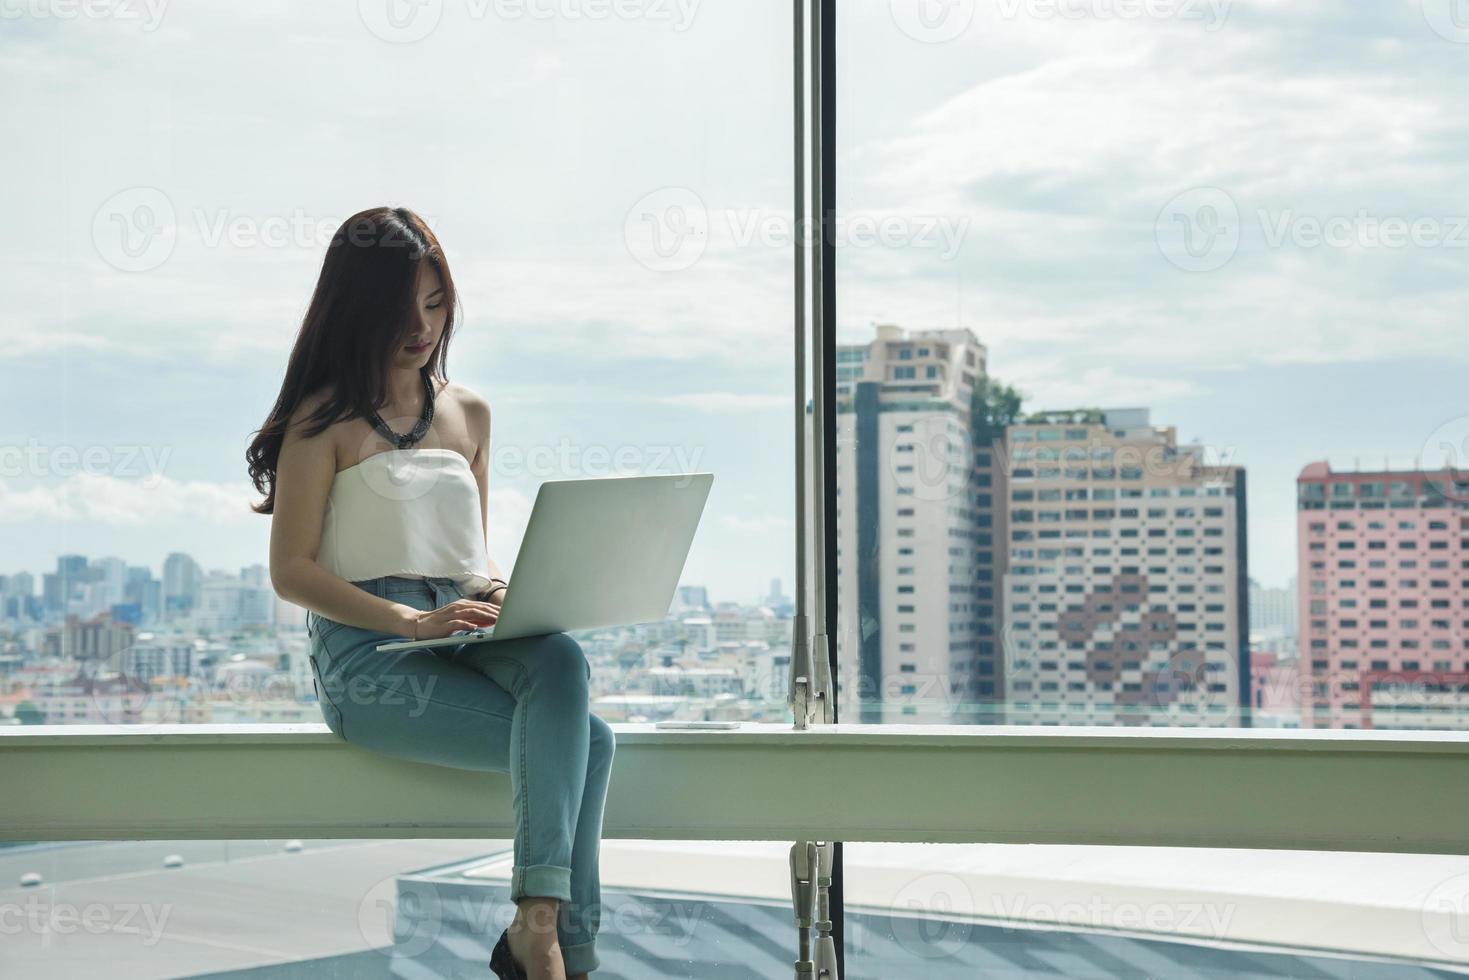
<point x="35" y="503"/>
<point x="111" y="500"/>
<point x="1064" y="151"/>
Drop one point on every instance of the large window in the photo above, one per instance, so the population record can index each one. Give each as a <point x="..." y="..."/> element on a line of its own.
<point x="616" y="214"/>
<point x="1150" y="319"/>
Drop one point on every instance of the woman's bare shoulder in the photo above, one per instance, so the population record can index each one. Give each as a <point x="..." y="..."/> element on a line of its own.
<point x="303" y="426"/>
<point x="309" y="404"/>
<point x="476" y="410"/>
<point x="466" y="396"/>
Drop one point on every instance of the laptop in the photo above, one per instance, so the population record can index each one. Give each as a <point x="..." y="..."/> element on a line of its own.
<point x="599" y="552"/>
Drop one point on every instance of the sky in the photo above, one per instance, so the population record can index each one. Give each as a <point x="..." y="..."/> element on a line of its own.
<point x="1248" y="217"/>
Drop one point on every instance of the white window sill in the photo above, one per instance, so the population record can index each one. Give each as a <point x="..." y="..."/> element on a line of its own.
<point x="1311" y="790"/>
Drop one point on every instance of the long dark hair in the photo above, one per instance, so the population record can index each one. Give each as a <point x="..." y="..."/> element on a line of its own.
<point x="357" y="318"/>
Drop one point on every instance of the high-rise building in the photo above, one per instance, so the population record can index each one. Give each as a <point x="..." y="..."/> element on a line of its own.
<point x="1273" y="610"/>
<point x="1124" y="584"/>
<point x="99" y="638"/>
<point x="159" y="655"/>
<point x="17" y="596"/>
<point x="60" y="589"/>
<point x="230" y="603"/>
<point x="144" y="590"/>
<point x="781" y="605"/>
<point x="110" y="574"/>
<point x="1384" y="594"/>
<point x="915" y="519"/>
<point x="182" y="584"/>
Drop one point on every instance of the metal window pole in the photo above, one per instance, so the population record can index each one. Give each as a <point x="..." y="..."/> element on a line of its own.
<point x="811" y="695"/>
<point x="798" y="692"/>
<point x="815" y="865"/>
<point x="822" y="491"/>
<point x="830" y="880"/>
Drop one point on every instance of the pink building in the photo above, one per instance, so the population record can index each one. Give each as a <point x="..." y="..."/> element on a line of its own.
<point x="1384" y="598"/>
<point x="1276" y="690"/>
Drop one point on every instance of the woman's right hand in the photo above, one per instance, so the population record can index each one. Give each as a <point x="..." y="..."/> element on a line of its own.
<point x="461" y="614"/>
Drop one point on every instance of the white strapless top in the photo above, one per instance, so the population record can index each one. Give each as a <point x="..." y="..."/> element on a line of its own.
<point x="413" y="512"/>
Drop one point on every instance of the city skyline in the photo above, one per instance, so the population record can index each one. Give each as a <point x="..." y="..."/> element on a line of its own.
<point x="116" y="506"/>
<point x="1072" y="567"/>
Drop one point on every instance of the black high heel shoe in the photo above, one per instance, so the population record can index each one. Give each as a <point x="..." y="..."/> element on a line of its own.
<point x="503" y="963"/>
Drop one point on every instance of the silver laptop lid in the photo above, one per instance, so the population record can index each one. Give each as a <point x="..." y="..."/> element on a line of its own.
<point x="602" y="552"/>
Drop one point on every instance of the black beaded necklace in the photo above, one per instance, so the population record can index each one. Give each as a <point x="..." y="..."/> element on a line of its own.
<point x="424" y="420"/>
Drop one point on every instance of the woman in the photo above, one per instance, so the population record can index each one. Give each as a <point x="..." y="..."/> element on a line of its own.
<point x="374" y="471"/>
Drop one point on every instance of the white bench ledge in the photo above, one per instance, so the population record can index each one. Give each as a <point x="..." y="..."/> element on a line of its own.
<point x="1312" y="790"/>
<point x="963" y="736"/>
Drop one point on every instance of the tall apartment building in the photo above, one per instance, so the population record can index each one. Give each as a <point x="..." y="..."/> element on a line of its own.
<point x="59" y="588"/>
<point x="1384" y="598"/>
<point x="915" y="526"/>
<point x="1273" y="610"/>
<point x="229" y="603"/>
<point x="1125" y="597"/>
<point x="183" y="581"/>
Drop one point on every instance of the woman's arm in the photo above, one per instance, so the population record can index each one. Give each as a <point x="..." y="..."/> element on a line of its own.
<point x="477" y="413"/>
<point x="303" y="481"/>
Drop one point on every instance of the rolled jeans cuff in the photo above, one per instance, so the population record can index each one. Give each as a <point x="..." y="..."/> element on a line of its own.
<point x="581" y="958"/>
<point x="540" y="881"/>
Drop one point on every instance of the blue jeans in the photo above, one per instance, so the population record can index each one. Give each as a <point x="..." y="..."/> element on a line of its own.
<point x="518" y="706"/>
